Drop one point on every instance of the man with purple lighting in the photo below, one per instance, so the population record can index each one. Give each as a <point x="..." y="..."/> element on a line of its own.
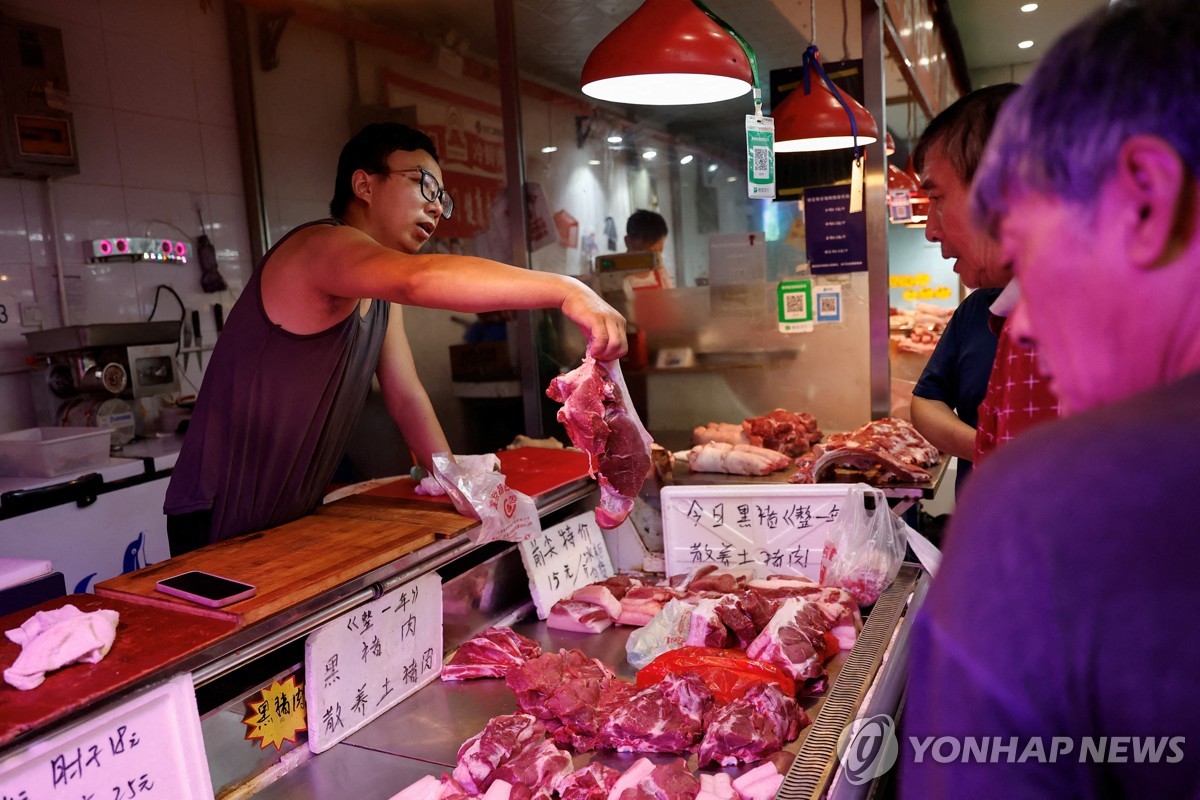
<point x="1056" y="654"/>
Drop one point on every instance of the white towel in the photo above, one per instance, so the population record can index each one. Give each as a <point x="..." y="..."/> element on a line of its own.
<point x="53" y="639"/>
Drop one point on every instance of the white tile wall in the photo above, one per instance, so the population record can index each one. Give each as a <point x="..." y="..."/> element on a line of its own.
<point x="152" y="99"/>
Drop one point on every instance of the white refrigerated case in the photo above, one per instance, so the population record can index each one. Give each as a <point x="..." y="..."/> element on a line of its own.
<point x="119" y="526"/>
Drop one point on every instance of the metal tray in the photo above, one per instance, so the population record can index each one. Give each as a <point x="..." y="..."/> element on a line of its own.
<point x="448" y="713"/>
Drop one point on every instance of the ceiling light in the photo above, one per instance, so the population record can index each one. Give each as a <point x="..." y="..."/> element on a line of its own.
<point x="1025" y="45"/>
<point x="549" y="149"/>
<point x="595" y="162"/>
<point x="667" y="52"/>
<point x="1029" y="7"/>
<point x="615" y="139"/>
<point x="889" y="146"/>
<point x="812" y="117"/>
<point x="686" y="159"/>
<point x="731" y="179"/>
<point x="649" y="155"/>
<point x="712" y="167"/>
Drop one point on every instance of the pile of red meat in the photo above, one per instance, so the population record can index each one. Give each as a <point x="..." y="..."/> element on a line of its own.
<point x="515" y="760"/>
<point x="569" y="703"/>
<point x="886" y="450"/>
<point x="729" y="609"/>
<point x="784" y="431"/>
<point x="726" y="692"/>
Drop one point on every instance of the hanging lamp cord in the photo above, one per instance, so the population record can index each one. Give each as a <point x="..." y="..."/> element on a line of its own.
<point x="813" y="64"/>
<point x="746" y="48"/>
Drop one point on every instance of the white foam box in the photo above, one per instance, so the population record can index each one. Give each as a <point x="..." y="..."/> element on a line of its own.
<point x="48" y="452"/>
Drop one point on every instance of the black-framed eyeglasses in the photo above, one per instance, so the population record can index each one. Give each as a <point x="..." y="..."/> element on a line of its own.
<point x="431" y="190"/>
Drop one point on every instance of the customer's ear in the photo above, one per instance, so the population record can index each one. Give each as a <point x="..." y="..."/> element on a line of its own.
<point x="1155" y="187"/>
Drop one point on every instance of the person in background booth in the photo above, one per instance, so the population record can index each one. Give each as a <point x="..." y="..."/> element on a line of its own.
<point x="645" y="230"/>
<point x="946" y="398"/>
<point x="1058" y="631"/>
<point x="320" y="316"/>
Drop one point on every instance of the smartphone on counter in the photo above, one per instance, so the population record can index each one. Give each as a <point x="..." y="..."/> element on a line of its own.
<point x="205" y="588"/>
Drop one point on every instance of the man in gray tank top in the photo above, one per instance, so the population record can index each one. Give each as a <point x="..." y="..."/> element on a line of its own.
<point x="320" y="316"/>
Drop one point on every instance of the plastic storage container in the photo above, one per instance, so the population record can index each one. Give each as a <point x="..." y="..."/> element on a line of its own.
<point x="47" y="452"/>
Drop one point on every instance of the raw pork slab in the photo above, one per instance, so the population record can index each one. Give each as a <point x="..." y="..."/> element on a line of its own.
<point x="601" y="422"/>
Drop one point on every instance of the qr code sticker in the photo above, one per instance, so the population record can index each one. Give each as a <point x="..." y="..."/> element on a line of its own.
<point x="795" y="306"/>
<point x="828" y="305"/>
<point x="762" y="163"/>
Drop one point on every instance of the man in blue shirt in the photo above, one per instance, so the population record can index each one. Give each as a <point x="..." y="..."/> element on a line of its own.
<point x="946" y="399"/>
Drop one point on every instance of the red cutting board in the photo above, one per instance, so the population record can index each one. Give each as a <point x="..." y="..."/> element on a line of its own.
<point x="149" y="641"/>
<point x="532" y="470"/>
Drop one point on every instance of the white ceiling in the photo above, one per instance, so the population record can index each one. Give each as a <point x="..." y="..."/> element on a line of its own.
<point x="991" y="29"/>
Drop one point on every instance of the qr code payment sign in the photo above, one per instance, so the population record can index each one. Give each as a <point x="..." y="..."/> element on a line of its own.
<point x="762" y="163"/>
<point x="795" y="306"/>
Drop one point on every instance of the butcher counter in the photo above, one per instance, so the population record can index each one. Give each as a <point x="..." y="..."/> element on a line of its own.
<point x="350" y="553"/>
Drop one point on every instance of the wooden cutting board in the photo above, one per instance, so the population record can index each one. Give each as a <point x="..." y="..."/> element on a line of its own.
<point x="298" y="561"/>
<point x="149" y="642"/>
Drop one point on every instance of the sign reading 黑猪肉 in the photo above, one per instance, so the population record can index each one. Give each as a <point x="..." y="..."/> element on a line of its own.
<point x="371" y="658"/>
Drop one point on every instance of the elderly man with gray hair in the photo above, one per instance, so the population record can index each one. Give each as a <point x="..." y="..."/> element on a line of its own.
<point x="1056" y="654"/>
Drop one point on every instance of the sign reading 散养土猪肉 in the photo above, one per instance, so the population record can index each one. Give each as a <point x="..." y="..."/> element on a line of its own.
<point x="371" y="658"/>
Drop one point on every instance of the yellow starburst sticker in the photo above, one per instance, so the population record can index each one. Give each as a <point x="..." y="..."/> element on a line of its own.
<point x="276" y="714"/>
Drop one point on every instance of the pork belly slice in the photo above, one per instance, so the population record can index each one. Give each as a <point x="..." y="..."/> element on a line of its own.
<point x="600" y="595"/>
<point x="503" y="790"/>
<point x="715" y="786"/>
<point x="760" y="783"/>
<point x="490" y="654"/>
<point x="640" y="604"/>
<point x="645" y="781"/>
<point x="726" y="432"/>
<point x="720" y="580"/>
<point x="667" y="717"/>
<point x="579" y="617"/>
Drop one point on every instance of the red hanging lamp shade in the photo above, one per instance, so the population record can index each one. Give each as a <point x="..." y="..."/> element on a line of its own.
<point x="815" y="120"/>
<point x="899" y="179"/>
<point x="668" y="52"/>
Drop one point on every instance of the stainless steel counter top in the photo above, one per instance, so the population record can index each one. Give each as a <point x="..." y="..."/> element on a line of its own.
<point x="423" y="733"/>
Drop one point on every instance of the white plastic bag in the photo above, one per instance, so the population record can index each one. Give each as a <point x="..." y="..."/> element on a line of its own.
<point x="478" y="489"/>
<point x="668" y="630"/>
<point x="864" y="548"/>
